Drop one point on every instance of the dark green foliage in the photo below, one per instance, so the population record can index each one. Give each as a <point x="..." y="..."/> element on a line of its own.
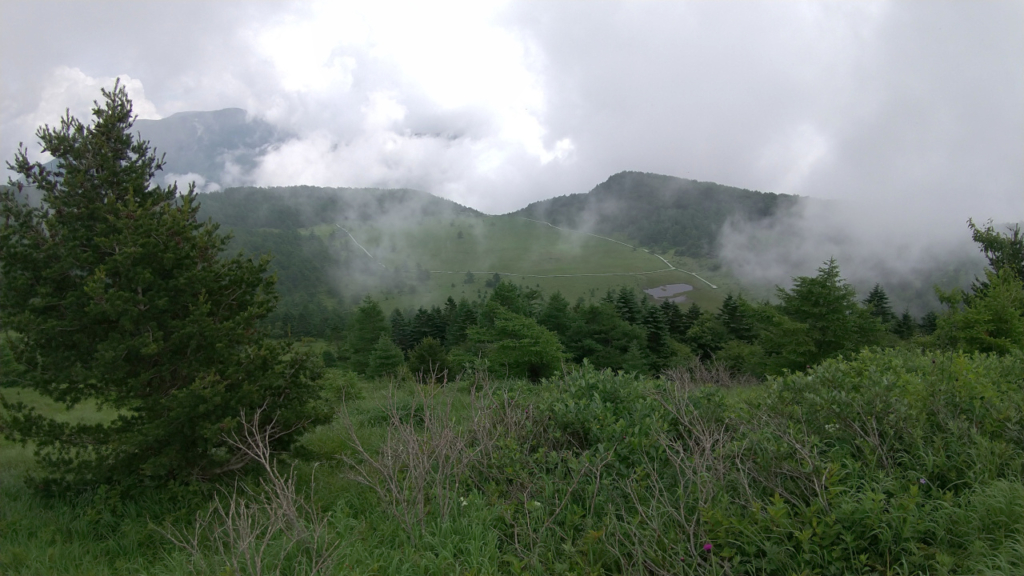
<point x="690" y="317"/>
<point x="429" y="360"/>
<point x="513" y="298"/>
<point x="877" y="303"/>
<point x="401" y="332"/>
<point x="787" y="344"/>
<point x="677" y="325"/>
<point x="431" y="323"/>
<point x="992" y="318"/>
<point x="492" y="281"/>
<point x="329" y="358"/>
<point x="120" y="295"/>
<point x="659" y="342"/>
<point x="385" y="359"/>
<point x="627" y="305"/>
<point x="660" y="211"/>
<point x="306" y="206"/>
<point x="365" y="329"/>
<point x="462" y="318"/>
<point x="829" y="309"/>
<point x="905" y="327"/>
<point x="1003" y="251"/>
<point x="989" y="321"/>
<point x="599" y="335"/>
<point x="929" y="322"/>
<point x="736" y="315"/>
<point x="516" y="346"/>
<point x="556" y="315"/>
<point x="706" y="336"/>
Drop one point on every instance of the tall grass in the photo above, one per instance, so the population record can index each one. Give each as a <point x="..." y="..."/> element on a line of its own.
<point x="892" y="462"/>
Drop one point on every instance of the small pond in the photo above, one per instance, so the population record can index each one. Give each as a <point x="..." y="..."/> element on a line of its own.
<point x="670" y="292"/>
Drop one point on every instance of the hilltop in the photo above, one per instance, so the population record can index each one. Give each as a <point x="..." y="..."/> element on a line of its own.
<point x="332" y="246"/>
<point x="660" y="212"/>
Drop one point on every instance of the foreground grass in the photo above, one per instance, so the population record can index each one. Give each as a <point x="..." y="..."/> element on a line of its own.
<point x="890" y="463"/>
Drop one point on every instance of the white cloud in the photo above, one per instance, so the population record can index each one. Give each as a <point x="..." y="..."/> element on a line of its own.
<point x="183" y="181"/>
<point x="69" y="90"/>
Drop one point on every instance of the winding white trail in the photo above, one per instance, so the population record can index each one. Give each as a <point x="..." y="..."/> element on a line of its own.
<point x="667" y="263"/>
<point x="361" y="247"/>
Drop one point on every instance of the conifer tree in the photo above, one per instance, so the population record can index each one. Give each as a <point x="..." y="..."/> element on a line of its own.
<point x="428" y="360"/>
<point x="401" y="333"/>
<point x="735" y="314"/>
<point x="627" y="306"/>
<point x="877" y="303"/>
<point x="674" y="317"/>
<point x="827" y="305"/>
<point x="117" y="294"/>
<point x="659" y="345"/>
<point x="905" y="326"/>
<point x="556" y="316"/>
<point x="690" y="317"/>
<point x="385" y="359"/>
<point x="365" y="329"/>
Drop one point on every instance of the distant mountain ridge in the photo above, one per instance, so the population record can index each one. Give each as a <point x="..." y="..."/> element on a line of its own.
<point x="216" y="145"/>
<point x="657" y="211"/>
<point x="294" y="207"/>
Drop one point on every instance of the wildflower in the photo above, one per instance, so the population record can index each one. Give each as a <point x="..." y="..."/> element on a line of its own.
<point x="923" y="481"/>
<point x="707" y="547"/>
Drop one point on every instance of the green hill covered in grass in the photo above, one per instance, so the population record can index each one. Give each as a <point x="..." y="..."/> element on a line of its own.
<point x="660" y="212"/>
<point x="333" y="246"/>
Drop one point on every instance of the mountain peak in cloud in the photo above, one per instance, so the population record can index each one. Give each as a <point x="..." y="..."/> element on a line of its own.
<point x="221" y="146"/>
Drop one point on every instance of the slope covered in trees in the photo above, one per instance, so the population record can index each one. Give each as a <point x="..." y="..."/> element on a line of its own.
<point x="661" y="212"/>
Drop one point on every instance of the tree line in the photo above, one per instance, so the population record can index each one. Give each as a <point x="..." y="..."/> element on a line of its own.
<point x="518" y="332"/>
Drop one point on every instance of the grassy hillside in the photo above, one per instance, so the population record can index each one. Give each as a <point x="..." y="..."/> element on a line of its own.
<point x="662" y="212"/>
<point x="333" y="246"/>
<point x="520" y="250"/>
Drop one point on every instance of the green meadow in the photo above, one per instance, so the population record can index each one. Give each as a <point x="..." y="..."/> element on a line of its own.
<point x="522" y="251"/>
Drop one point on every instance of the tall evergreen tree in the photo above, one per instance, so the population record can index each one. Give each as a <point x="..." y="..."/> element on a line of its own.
<point x="556" y="315"/>
<point x="692" y="315"/>
<point x="659" y="344"/>
<point x="385" y="358"/>
<point x="462" y="320"/>
<point x="877" y="303"/>
<point x="401" y="331"/>
<point x="827" y="305"/>
<point x="736" y="316"/>
<point x="627" y="306"/>
<point x="367" y="326"/>
<point x="905" y="326"/>
<point x="119" y="295"/>
<point x="674" y="317"/>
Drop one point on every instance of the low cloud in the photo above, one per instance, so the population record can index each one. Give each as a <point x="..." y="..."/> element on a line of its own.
<point x="872" y="243"/>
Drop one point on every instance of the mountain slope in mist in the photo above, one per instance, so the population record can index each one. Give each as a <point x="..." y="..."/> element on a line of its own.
<point x="296" y="207"/>
<point x="658" y="211"/>
<point x="215" y="149"/>
<point x="332" y="246"/>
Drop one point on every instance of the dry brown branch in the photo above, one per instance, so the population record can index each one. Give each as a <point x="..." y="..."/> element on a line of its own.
<point x="254" y="530"/>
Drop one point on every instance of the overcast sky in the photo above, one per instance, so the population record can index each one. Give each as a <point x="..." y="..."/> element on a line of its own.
<point x="910" y="106"/>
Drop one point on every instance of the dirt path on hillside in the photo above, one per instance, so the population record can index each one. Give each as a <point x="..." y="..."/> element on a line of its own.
<point x="361" y="247"/>
<point x="667" y="263"/>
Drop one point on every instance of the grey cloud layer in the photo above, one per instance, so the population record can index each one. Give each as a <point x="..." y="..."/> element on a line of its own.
<point x="911" y="106"/>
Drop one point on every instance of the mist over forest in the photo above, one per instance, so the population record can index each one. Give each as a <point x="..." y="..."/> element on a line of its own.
<point x="393" y="288"/>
